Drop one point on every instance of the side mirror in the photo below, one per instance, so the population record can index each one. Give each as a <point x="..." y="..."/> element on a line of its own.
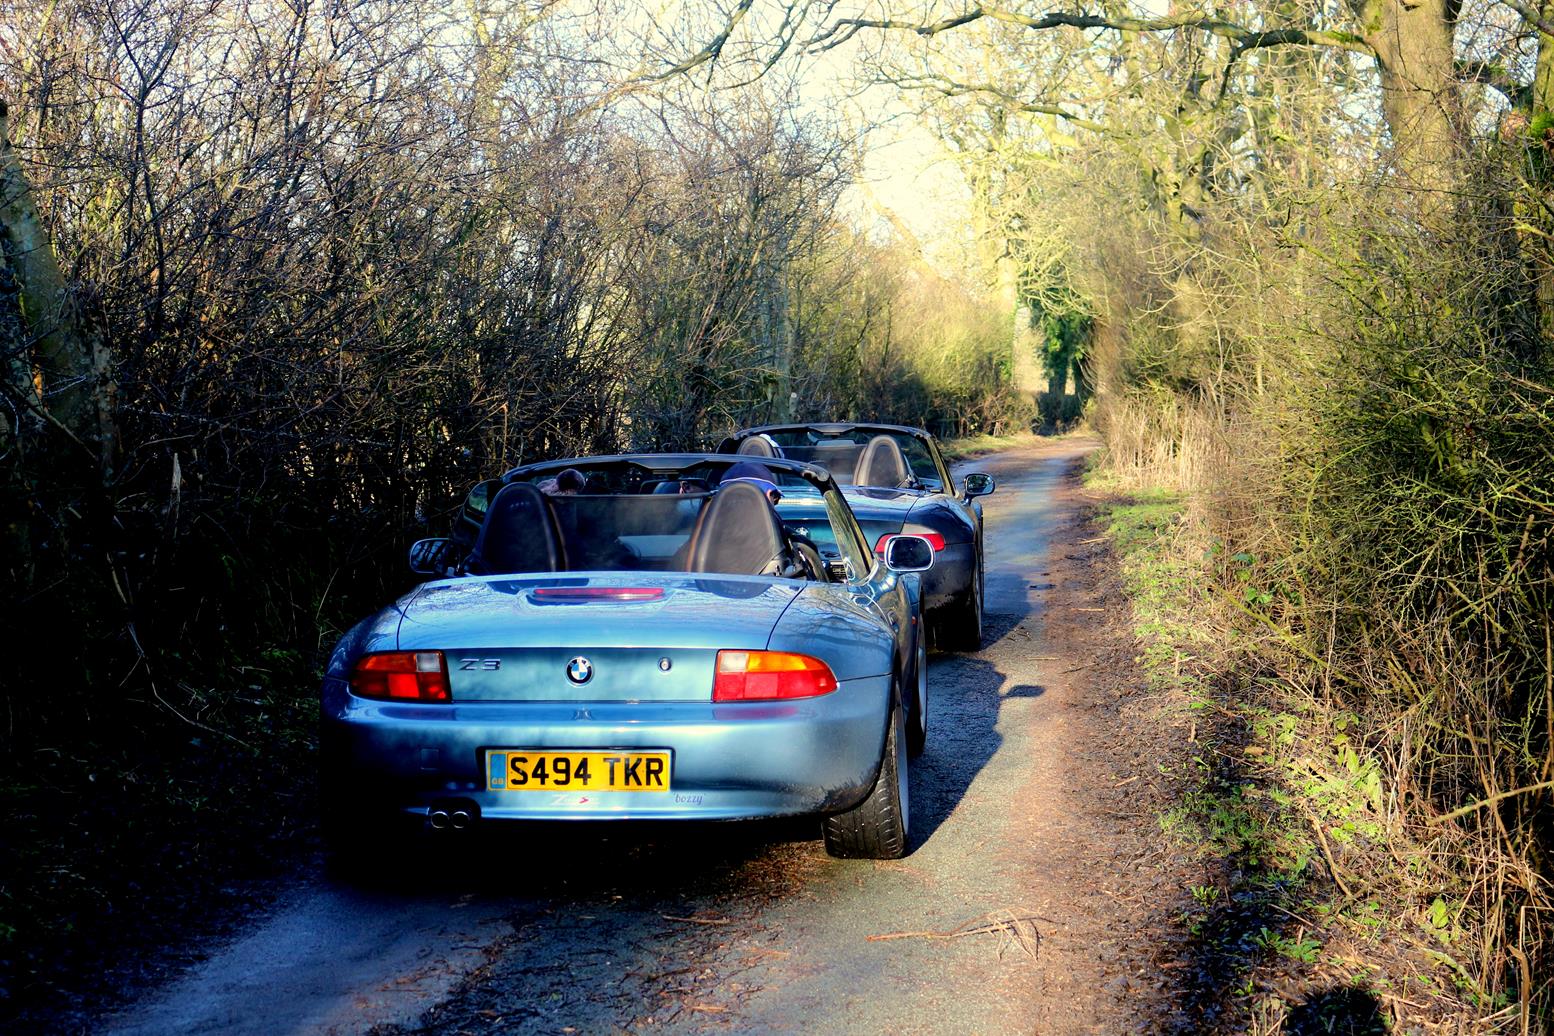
<point x="908" y="554"/>
<point x="978" y="484"/>
<point x="431" y="557"/>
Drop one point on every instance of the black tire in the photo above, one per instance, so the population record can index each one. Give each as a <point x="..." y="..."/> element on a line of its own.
<point x="348" y="844"/>
<point x="917" y="722"/>
<point x="961" y="629"/>
<point x="877" y="828"/>
<point x="356" y="839"/>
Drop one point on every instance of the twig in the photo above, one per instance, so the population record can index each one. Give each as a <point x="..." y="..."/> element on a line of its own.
<point x="698" y="920"/>
<point x="1327" y="854"/>
<point x="1473" y="807"/>
<point x="1021" y="926"/>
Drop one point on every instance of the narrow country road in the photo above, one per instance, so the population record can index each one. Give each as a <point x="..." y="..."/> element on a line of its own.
<point x="1018" y="911"/>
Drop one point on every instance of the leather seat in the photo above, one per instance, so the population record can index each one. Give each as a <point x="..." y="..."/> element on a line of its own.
<point x="759" y="446"/>
<point x="518" y="535"/>
<point x="738" y="533"/>
<point x="882" y="464"/>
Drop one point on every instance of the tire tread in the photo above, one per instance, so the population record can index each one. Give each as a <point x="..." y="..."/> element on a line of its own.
<point x="873" y="829"/>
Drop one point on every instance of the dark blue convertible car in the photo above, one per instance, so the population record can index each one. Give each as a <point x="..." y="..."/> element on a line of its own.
<point x="650" y="637"/>
<point x="896" y="481"/>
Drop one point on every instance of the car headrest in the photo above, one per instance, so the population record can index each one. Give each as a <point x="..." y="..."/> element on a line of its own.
<point x="882" y="464"/>
<point x="738" y="533"/>
<point x="518" y="535"/>
<point x="759" y="446"/>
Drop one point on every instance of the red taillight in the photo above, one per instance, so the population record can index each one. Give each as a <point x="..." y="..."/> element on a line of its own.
<point x="935" y="540"/>
<point x="599" y="593"/>
<point x="401" y="676"/>
<point x="770" y="675"/>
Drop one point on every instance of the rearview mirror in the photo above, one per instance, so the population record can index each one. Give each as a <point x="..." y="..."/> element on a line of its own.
<point x="908" y="554"/>
<point x="979" y="484"/>
<point x="431" y="557"/>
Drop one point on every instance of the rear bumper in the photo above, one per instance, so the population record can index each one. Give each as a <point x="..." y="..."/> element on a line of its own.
<point x="736" y="761"/>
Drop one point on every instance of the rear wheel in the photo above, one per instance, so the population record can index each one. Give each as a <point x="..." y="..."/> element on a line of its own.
<point x="961" y="630"/>
<point x="917" y="723"/>
<point x="358" y="837"/>
<point x="876" y="829"/>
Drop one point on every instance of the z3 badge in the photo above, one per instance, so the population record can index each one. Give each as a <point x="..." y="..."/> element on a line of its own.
<point x="482" y="664"/>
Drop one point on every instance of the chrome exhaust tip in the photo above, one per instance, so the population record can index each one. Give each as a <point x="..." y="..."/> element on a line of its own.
<point x="438" y="820"/>
<point x="460" y="819"/>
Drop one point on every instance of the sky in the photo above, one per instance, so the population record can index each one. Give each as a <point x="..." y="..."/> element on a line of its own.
<point x="905" y="168"/>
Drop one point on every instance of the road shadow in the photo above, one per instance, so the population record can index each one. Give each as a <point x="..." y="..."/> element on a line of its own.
<point x="1025" y="690"/>
<point x="964" y="700"/>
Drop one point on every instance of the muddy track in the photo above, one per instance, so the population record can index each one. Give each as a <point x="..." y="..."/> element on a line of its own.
<point x="1023" y="907"/>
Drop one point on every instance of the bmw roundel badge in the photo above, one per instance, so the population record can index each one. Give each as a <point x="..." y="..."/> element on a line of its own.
<point x="580" y="670"/>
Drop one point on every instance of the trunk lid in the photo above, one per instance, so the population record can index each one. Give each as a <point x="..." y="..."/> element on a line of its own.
<point x="626" y="637"/>
<point x="881" y="512"/>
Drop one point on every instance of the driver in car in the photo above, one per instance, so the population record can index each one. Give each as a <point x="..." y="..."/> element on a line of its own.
<point x="758" y="475"/>
<point x="804" y="549"/>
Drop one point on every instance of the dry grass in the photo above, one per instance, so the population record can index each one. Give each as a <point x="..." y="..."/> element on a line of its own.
<point x="1416" y="756"/>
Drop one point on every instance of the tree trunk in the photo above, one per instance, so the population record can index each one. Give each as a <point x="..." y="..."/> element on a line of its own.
<point x="1419" y="94"/>
<point x="72" y="364"/>
<point x="1543" y="76"/>
<point x="1540" y="137"/>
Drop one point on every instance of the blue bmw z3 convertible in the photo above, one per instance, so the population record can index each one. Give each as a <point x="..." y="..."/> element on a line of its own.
<point x="644" y="637"/>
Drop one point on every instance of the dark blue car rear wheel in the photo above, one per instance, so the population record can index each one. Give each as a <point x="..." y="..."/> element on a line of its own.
<point x="961" y="628"/>
<point x="917" y="722"/>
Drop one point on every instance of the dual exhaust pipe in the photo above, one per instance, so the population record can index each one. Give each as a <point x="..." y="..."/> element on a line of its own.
<point x="450" y="820"/>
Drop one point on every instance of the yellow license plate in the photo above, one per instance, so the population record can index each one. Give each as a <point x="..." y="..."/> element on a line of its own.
<point x="521" y="769"/>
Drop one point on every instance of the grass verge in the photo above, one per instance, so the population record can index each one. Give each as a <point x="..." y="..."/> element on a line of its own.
<point x="1318" y="910"/>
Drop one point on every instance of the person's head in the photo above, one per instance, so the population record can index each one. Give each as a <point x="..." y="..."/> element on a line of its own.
<point x="570" y="481"/>
<point x="758" y="475"/>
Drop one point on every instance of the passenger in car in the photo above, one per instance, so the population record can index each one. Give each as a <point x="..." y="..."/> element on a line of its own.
<point x="569" y="482"/>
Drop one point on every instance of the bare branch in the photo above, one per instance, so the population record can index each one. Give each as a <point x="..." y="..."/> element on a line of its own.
<point x="1532" y="16"/>
<point x="1494" y="77"/>
<point x="1244" y="39"/>
<point x="948" y="87"/>
<point x="711" y="51"/>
